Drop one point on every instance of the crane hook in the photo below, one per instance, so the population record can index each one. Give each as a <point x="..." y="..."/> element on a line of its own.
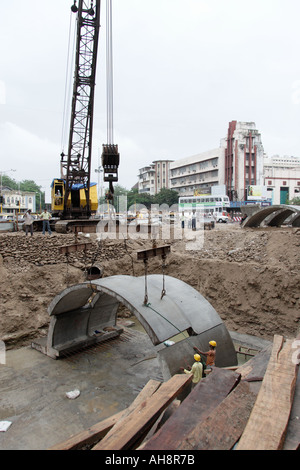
<point x="74" y="7"/>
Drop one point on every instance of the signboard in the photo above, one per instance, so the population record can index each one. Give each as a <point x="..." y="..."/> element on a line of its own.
<point x="257" y="193"/>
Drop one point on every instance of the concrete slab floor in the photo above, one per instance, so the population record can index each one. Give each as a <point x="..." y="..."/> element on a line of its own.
<point x="33" y="389"/>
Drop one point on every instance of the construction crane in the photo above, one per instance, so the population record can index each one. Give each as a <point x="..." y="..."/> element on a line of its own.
<point x="73" y="196"/>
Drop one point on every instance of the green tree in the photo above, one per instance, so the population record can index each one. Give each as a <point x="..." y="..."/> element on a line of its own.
<point x="9" y="182"/>
<point x="32" y="187"/>
<point x="134" y="198"/>
<point x="295" y="201"/>
<point x="166" y="196"/>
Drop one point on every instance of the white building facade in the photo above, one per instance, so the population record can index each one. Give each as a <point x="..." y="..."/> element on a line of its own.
<point x="282" y="178"/>
<point x="198" y="173"/>
<point x="18" y="201"/>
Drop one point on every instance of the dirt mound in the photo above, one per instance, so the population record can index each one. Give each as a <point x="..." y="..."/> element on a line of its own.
<point x="250" y="276"/>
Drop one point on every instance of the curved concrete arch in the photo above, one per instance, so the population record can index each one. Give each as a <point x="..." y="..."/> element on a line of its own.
<point x="87" y="313"/>
<point x="280" y="215"/>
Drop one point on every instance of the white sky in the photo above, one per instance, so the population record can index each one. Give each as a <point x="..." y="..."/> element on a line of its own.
<point x="182" y="70"/>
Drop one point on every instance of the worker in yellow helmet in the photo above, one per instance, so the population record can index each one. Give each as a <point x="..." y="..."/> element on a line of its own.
<point x="210" y="355"/>
<point x="196" y="370"/>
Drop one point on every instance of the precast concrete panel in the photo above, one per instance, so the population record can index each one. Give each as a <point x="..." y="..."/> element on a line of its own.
<point x="86" y="313"/>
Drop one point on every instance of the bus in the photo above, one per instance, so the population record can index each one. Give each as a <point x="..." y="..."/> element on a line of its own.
<point x="205" y="205"/>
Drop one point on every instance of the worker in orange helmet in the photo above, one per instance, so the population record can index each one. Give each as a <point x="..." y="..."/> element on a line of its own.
<point x="210" y="355"/>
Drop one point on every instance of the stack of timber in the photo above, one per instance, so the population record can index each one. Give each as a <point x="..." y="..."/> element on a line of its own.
<point x="252" y="407"/>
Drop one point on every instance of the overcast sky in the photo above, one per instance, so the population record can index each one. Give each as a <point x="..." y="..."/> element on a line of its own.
<point x="183" y="69"/>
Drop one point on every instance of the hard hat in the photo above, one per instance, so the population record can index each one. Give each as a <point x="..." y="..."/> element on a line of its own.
<point x="213" y="343"/>
<point x="197" y="357"/>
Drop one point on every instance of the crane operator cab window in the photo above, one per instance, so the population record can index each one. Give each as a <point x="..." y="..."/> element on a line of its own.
<point x="58" y="194"/>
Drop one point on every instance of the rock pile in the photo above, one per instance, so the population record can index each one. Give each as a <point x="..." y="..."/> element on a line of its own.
<point x="20" y="251"/>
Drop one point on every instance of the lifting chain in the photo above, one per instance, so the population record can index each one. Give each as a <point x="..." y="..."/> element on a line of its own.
<point x="146" y="289"/>
<point x="163" y="292"/>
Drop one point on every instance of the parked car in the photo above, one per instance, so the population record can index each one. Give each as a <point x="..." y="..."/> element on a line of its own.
<point x="221" y="217"/>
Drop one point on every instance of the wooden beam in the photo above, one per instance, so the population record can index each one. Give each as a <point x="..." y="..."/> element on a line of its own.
<point x="292" y="438"/>
<point x="90" y="436"/>
<point x="202" y="401"/>
<point x="129" y="431"/>
<point x="225" y="424"/>
<point x="209" y="393"/>
<point x="268" y="422"/>
<point x="96" y="432"/>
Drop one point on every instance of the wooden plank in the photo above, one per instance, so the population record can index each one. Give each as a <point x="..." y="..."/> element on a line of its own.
<point x="196" y="406"/>
<point x="90" y="436"/>
<point x="267" y="425"/>
<point x="225" y="424"/>
<point x="201" y="401"/>
<point x="257" y="366"/>
<point x="129" y="431"/>
<point x="292" y="438"/>
<point x="96" y="432"/>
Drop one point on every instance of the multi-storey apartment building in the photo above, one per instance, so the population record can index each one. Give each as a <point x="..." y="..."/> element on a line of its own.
<point x="237" y="164"/>
<point x="154" y="177"/>
<point x="198" y="173"/>
<point x="239" y="167"/>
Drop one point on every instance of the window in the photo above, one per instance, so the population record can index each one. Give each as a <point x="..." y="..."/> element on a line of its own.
<point x="269" y="183"/>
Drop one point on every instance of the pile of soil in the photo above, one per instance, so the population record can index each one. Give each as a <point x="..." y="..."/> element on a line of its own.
<point x="250" y="276"/>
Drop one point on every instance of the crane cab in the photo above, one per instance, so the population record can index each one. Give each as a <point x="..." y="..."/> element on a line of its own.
<point x="76" y="202"/>
<point x="57" y="195"/>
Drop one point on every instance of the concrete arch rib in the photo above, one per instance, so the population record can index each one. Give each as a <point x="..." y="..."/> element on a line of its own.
<point x="280" y="215"/>
<point x="87" y="313"/>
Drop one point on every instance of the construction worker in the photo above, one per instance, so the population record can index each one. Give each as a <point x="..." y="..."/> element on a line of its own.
<point x="210" y="355"/>
<point x="196" y="370"/>
<point x="46" y="216"/>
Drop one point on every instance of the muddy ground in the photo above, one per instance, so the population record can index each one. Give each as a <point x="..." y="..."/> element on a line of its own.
<point x="250" y="276"/>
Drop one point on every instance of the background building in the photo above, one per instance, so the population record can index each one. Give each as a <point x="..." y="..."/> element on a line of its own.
<point x="198" y="173"/>
<point x="239" y="166"/>
<point x="282" y="178"/>
<point x="154" y="177"/>
<point x="244" y="159"/>
<point x="15" y="201"/>
<point x="146" y="178"/>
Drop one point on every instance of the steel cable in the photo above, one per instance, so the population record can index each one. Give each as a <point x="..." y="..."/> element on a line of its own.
<point x="109" y="72"/>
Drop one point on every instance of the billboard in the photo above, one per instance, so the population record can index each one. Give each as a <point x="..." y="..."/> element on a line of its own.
<point x="257" y="193"/>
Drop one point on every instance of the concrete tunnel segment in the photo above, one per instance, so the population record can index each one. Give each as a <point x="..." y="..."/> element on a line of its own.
<point x="86" y="314"/>
<point x="274" y="216"/>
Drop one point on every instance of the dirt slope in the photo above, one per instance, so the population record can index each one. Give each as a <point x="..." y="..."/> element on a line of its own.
<point x="250" y="276"/>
